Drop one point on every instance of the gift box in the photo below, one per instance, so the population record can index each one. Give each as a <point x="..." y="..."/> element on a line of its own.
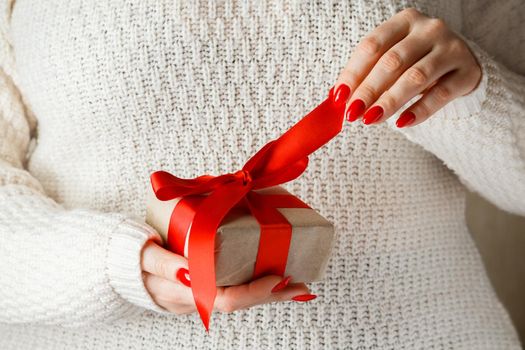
<point x="240" y="226"/>
<point x="238" y="237"/>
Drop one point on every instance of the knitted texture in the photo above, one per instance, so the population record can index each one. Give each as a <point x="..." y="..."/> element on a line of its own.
<point x="95" y="95"/>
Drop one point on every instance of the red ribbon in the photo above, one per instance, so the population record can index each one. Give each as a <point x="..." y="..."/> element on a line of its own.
<point x="275" y="230"/>
<point x="279" y="161"/>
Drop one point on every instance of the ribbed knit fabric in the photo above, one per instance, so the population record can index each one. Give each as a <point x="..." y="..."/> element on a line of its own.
<point x="95" y="95"/>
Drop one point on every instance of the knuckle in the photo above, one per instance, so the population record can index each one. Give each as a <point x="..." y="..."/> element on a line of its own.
<point x="388" y="102"/>
<point x="391" y="61"/>
<point x="417" y="76"/>
<point x="162" y="267"/>
<point x="164" y="291"/>
<point x="441" y="93"/>
<point x="227" y="305"/>
<point x="423" y="111"/>
<point x="456" y="46"/>
<point x="367" y="92"/>
<point x="146" y="279"/>
<point x="370" y="45"/>
<point x="348" y="75"/>
<point x="168" y="307"/>
<point x="410" y="14"/>
<point x="436" y="25"/>
<point x="282" y="297"/>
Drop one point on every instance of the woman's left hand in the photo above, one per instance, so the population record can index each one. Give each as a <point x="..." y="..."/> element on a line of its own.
<point x="408" y="55"/>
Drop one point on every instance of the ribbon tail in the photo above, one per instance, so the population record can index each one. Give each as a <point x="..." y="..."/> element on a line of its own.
<point x="180" y="222"/>
<point x="201" y="245"/>
<point x="310" y="133"/>
<point x="282" y="176"/>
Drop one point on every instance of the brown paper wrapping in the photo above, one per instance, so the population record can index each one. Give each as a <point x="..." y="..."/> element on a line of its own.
<point x="237" y="241"/>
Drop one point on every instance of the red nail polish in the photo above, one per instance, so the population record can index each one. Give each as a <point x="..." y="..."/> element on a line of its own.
<point x="304" y="297"/>
<point x="355" y="110"/>
<point x="342" y="93"/>
<point x="373" y="115"/>
<point x="183" y="275"/>
<point x="281" y="285"/>
<point x="406" y="118"/>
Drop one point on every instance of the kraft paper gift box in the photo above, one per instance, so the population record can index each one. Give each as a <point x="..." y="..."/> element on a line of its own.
<point x="237" y="240"/>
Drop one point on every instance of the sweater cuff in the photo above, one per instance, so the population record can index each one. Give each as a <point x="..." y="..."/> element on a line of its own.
<point x="474" y="100"/>
<point x="124" y="270"/>
<point x="502" y="90"/>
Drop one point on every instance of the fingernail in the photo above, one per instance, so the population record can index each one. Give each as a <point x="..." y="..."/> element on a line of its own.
<point x="281" y="285"/>
<point x="373" y="115"/>
<point x="342" y="93"/>
<point x="355" y="110"/>
<point x="305" y="297"/>
<point x="406" y="118"/>
<point x="183" y="275"/>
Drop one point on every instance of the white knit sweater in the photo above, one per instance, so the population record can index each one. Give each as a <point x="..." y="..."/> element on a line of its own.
<point x="95" y="95"/>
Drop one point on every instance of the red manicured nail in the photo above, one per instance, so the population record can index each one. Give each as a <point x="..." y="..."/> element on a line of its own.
<point x="406" y="118"/>
<point x="183" y="275"/>
<point x="355" y="110"/>
<point x="304" y="297"/>
<point x="373" y="115"/>
<point x="341" y="94"/>
<point x="281" y="285"/>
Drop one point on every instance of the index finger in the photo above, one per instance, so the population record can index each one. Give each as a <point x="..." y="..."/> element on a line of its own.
<point x="372" y="47"/>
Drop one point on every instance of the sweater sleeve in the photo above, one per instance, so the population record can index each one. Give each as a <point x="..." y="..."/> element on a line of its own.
<point x="481" y="136"/>
<point x="58" y="266"/>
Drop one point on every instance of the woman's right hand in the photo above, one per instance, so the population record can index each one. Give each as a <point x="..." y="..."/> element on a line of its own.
<point x="166" y="279"/>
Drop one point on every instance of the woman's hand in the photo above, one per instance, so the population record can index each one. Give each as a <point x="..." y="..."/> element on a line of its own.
<point x="166" y="279"/>
<point x="407" y="55"/>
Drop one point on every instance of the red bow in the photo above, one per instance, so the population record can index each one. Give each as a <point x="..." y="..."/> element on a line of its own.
<point x="279" y="161"/>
